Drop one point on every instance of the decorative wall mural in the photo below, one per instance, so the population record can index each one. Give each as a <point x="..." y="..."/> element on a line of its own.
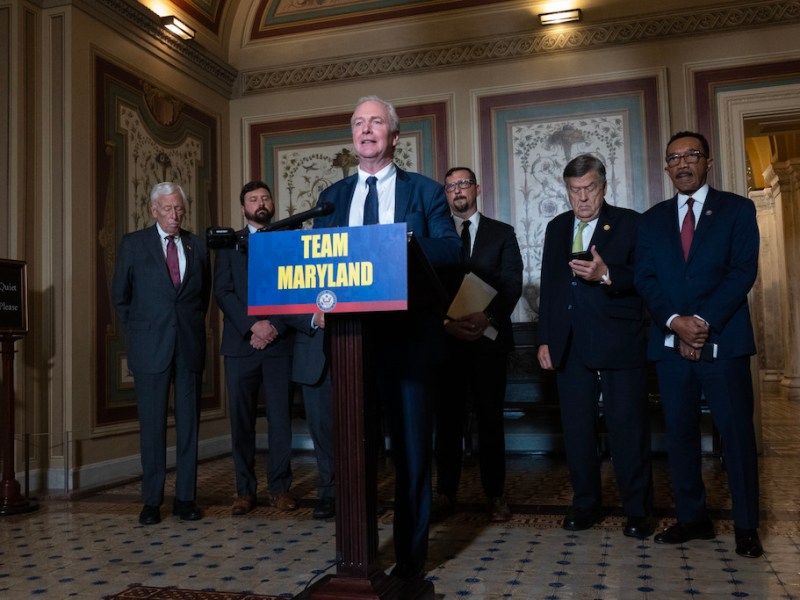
<point x="144" y="136"/>
<point x="529" y="137"/>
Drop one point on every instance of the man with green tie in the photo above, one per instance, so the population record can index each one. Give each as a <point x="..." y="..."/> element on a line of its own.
<point x="592" y="334"/>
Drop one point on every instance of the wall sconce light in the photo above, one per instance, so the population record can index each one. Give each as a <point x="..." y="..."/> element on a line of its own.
<point x="178" y="27"/>
<point x="562" y="16"/>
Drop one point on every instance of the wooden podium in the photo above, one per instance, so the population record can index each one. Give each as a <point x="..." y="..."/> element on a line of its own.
<point x="359" y="572"/>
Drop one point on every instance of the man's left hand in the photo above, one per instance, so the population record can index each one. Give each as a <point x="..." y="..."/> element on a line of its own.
<point x="590" y="270"/>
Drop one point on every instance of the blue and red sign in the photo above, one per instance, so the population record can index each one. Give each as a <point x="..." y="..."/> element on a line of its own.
<point x="343" y="269"/>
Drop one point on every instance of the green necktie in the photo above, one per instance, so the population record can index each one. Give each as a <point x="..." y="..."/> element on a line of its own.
<point x="577" y="243"/>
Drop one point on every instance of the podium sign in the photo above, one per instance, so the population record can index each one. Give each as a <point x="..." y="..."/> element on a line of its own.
<point x="340" y="270"/>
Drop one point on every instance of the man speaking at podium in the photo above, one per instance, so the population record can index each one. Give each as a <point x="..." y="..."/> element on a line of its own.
<point x="404" y="346"/>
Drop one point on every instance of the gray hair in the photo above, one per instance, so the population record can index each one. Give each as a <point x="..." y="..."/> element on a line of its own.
<point x="583" y="164"/>
<point x="394" y="120"/>
<point x="165" y="188"/>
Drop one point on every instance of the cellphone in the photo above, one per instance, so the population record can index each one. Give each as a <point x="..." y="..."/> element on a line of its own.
<point x="585" y="255"/>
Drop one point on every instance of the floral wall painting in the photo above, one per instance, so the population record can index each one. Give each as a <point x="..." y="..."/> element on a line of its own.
<point x="527" y="139"/>
<point x="145" y="134"/>
<point x="301" y="157"/>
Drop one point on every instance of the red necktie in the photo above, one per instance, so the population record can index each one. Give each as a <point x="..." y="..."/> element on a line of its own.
<point x="687" y="228"/>
<point x="172" y="262"/>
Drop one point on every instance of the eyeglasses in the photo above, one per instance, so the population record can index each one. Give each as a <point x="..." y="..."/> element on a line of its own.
<point x="691" y="157"/>
<point x="461" y="184"/>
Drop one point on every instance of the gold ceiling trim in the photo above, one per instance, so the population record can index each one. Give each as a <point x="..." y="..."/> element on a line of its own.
<point x="755" y="13"/>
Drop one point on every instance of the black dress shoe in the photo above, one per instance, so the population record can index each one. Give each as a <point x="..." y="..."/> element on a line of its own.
<point x="747" y="543"/>
<point x="186" y="510"/>
<point x="150" y="515"/>
<point x="325" y="508"/>
<point x="408" y="571"/>
<point x="639" y="527"/>
<point x="683" y="532"/>
<point x="578" y="520"/>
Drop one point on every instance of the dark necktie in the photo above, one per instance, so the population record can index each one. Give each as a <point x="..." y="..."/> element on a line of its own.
<point x="172" y="262"/>
<point x="687" y="228"/>
<point x="371" y="205"/>
<point x="466" y="240"/>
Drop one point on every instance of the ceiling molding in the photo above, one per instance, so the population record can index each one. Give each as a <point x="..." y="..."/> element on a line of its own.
<point x="747" y="15"/>
<point x="142" y="25"/>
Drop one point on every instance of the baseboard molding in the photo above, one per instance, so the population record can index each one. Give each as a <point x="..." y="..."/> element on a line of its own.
<point x="104" y="473"/>
<point x="108" y="472"/>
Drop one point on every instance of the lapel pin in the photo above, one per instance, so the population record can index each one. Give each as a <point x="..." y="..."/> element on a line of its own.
<point x="606" y="227"/>
<point x="708" y="213"/>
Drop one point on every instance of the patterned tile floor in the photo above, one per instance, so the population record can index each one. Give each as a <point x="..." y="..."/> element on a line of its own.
<point x="93" y="546"/>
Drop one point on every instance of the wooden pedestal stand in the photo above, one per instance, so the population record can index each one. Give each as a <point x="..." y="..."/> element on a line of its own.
<point x="11" y="502"/>
<point x="359" y="574"/>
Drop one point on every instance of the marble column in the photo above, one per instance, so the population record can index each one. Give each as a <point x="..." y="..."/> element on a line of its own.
<point x="785" y="184"/>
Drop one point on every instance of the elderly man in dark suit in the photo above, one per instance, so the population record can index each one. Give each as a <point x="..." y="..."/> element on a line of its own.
<point x="696" y="260"/>
<point x="403" y="346"/>
<point x="258" y="354"/>
<point x="592" y="333"/>
<point x="478" y="345"/>
<point x="161" y="288"/>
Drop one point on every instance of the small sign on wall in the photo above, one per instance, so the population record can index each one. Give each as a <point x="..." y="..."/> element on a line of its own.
<point x="13" y="297"/>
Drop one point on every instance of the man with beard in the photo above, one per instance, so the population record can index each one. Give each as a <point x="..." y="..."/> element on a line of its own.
<point x="478" y="345"/>
<point x="258" y="353"/>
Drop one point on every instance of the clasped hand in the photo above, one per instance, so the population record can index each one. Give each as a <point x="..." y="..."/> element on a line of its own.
<point x="693" y="333"/>
<point x="263" y="334"/>
<point x="589" y="270"/>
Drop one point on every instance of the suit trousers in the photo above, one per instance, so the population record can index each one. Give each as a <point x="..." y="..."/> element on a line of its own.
<point x="152" y="400"/>
<point x="318" y="404"/>
<point x="403" y="351"/>
<point x="727" y="387"/>
<point x="482" y="378"/>
<point x="245" y="376"/>
<point x="627" y="422"/>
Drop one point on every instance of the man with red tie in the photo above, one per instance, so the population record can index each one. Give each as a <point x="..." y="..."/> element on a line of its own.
<point x="696" y="260"/>
<point x="161" y="289"/>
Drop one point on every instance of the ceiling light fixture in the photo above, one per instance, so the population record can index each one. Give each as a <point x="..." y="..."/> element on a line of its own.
<point x="562" y="16"/>
<point x="178" y="27"/>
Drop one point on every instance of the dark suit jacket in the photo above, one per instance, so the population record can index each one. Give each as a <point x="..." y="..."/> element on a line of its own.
<point x="160" y="321"/>
<point x="230" y="290"/>
<point x="419" y="202"/>
<point x="713" y="283"/>
<point x="606" y="322"/>
<point x="497" y="260"/>
<point x="310" y="358"/>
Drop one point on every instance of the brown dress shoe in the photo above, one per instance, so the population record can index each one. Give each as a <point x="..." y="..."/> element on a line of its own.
<point x="282" y="501"/>
<point x="243" y="505"/>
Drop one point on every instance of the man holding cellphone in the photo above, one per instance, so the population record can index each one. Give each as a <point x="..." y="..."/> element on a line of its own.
<point x="592" y="334"/>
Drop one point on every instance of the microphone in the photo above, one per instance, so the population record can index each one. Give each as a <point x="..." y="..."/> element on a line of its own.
<point x="321" y="209"/>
